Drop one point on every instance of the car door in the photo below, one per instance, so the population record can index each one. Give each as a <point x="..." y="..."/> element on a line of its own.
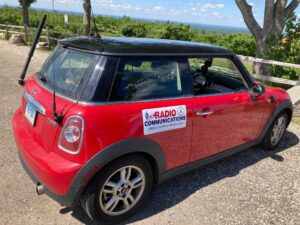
<point x="151" y="97"/>
<point x="225" y="116"/>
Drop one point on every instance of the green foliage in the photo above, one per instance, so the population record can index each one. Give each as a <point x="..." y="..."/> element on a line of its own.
<point x="242" y="44"/>
<point x="134" y="30"/>
<point x="177" y="32"/>
<point x="286" y="48"/>
<point x="109" y="26"/>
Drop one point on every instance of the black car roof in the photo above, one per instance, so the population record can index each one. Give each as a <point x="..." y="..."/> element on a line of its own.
<point x="141" y="46"/>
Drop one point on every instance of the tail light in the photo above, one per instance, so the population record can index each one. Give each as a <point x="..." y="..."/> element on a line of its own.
<point x="70" y="139"/>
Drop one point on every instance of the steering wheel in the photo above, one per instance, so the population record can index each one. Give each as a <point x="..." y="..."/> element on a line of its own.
<point x="200" y="82"/>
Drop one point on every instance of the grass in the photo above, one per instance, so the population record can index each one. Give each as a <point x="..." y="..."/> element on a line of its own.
<point x="249" y="66"/>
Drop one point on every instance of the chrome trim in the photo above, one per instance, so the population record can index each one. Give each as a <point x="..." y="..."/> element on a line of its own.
<point x="218" y="94"/>
<point x="36" y="105"/>
<point x="89" y="103"/>
<point x="81" y="138"/>
<point x="205" y="113"/>
<point x="86" y="103"/>
<point x="51" y="91"/>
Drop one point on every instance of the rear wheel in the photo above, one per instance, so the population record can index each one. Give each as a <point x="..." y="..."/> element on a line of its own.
<point x="119" y="190"/>
<point x="275" y="132"/>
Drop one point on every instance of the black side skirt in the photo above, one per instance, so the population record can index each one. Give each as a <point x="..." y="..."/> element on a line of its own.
<point x="196" y="164"/>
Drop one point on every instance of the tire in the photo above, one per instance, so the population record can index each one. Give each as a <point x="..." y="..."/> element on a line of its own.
<point x="108" y="199"/>
<point x="270" y="142"/>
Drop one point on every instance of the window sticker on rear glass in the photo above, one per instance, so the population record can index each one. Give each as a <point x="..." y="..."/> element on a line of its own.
<point x="164" y="119"/>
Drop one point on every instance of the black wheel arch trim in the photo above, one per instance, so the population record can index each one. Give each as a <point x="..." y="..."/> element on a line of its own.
<point x="112" y="152"/>
<point x="284" y="105"/>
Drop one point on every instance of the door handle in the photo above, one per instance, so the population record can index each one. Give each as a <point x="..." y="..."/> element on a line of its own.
<point x="205" y="113"/>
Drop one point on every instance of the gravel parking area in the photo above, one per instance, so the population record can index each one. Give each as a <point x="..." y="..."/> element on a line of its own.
<point x="252" y="187"/>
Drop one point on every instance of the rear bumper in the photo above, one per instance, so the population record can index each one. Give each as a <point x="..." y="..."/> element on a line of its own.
<point x="54" y="172"/>
<point x="64" y="200"/>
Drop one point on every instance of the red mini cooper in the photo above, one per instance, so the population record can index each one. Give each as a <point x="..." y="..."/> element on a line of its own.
<point x="106" y="119"/>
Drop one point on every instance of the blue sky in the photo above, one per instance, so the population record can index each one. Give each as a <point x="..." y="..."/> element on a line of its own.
<point x="215" y="12"/>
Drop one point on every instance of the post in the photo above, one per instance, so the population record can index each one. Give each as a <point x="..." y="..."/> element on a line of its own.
<point x="6" y="31"/>
<point x="47" y="34"/>
<point x="26" y="33"/>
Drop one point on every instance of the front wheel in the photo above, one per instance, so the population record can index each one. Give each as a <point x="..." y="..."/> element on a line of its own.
<point x="275" y="132"/>
<point x="119" y="190"/>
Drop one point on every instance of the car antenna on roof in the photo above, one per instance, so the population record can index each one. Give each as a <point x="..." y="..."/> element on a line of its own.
<point x="95" y="25"/>
<point x="21" y="81"/>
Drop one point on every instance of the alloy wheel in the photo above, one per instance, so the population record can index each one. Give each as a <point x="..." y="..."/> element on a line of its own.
<point x="278" y="130"/>
<point x="122" y="190"/>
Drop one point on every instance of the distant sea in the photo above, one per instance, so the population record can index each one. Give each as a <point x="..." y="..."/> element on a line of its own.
<point x="198" y="26"/>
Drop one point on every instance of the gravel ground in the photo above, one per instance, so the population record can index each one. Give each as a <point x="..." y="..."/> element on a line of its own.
<point x="252" y="187"/>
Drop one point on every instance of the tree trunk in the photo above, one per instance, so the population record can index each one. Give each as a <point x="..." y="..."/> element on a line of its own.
<point x="276" y="13"/>
<point x="87" y="17"/>
<point x="25" y="13"/>
<point x="261" y="52"/>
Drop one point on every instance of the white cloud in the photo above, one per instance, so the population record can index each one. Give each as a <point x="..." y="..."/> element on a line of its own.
<point x="252" y="4"/>
<point x="209" y="6"/>
<point x="69" y="1"/>
<point x="157" y="8"/>
<point x="213" y="6"/>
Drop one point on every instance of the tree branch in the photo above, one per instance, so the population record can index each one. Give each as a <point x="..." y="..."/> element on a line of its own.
<point x="268" y="18"/>
<point x="249" y="19"/>
<point x="279" y="18"/>
<point x="291" y="7"/>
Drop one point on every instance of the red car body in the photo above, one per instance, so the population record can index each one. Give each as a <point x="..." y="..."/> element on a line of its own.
<point x="115" y="129"/>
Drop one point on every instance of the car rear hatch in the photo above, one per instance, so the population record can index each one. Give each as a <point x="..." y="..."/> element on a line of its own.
<point x="65" y="71"/>
<point x="37" y="111"/>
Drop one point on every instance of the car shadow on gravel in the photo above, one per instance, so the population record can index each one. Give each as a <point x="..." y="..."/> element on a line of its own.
<point x="163" y="197"/>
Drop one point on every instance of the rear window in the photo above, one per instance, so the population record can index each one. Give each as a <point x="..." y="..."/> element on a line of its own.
<point x="138" y="79"/>
<point x="67" y="69"/>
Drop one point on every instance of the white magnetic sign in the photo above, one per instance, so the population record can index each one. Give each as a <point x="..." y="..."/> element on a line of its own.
<point x="164" y="119"/>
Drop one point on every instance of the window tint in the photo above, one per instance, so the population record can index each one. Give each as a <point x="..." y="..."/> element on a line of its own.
<point x="138" y="79"/>
<point x="216" y="75"/>
<point x="69" y="67"/>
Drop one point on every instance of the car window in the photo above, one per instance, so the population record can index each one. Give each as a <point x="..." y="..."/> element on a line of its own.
<point x="138" y="79"/>
<point x="69" y="68"/>
<point x="215" y="75"/>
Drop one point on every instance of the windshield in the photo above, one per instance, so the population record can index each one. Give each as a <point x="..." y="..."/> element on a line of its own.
<point x="67" y="69"/>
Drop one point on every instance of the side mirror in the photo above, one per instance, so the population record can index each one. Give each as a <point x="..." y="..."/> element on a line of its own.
<point x="258" y="89"/>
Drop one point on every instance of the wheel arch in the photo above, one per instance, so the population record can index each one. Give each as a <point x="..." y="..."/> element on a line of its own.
<point x="132" y="146"/>
<point x="284" y="106"/>
<point x="289" y="113"/>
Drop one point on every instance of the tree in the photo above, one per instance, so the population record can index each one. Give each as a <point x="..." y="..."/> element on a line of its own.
<point x="275" y="16"/>
<point x="25" y="5"/>
<point x="87" y="17"/>
<point x="134" y="30"/>
<point x="177" y="32"/>
<point x="287" y="49"/>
